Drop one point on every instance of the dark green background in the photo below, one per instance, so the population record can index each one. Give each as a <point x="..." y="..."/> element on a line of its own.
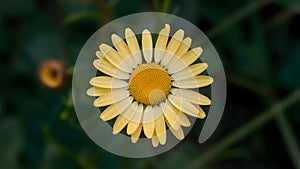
<point x="258" y="43"/>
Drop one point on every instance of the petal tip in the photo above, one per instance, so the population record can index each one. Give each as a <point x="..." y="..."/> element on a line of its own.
<point x="129" y="33"/>
<point x="146" y="31"/>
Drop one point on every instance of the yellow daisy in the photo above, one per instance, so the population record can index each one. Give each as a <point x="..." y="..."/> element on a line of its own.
<point x="150" y="89"/>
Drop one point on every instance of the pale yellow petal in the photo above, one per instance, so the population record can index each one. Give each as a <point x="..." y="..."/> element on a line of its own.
<point x="123" y="50"/>
<point x="108" y="82"/>
<point x="130" y="111"/>
<point x="123" y="104"/>
<point x="184" y="121"/>
<point x="115" y="109"/>
<point x="172" y="47"/>
<point x="96" y="91"/>
<point x="183" y="105"/>
<point x="148" y="115"/>
<point x="148" y="129"/>
<point x="190" y="71"/>
<point x="161" y="43"/>
<point x="119" y="124"/>
<point x="195" y="82"/>
<point x="198" y="68"/>
<point x="111" y="98"/>
<point x="114" y="58"/>
<point x="171" y="114"/>
<point x="155" y="141"/>
<point x="109" y="113"/>
<point x="147" y="45"/>
<point x="178" y="133"/>
<point x="109" y="69"/>
<point x="100" y="55"/>
<point x="132" y="127"/>
<point x="192" y="96"/>
<point x="160" y="129"/>
<point x="139" y="115"/>
<point x="148" y="122"/>
<point x="135" y="121"/>
<point x="133" y="45"/>
<point x="188" y="58"/>
<point x="136" y="135"/>
<point x="201" y="113"/>
<point x="183" y="48"/>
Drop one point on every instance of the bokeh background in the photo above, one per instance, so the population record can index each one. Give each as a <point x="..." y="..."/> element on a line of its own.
<point x="258" y="43"/>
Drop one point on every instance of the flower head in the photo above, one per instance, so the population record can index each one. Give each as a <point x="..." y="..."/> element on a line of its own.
<point x="150" y="89"/>
<point x="52" y="73"/>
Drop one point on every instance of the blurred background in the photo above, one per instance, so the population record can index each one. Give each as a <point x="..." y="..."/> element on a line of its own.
<point x="258" y="43"/>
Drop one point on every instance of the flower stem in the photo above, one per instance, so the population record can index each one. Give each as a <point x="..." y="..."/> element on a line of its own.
<point x="246" y="129"/>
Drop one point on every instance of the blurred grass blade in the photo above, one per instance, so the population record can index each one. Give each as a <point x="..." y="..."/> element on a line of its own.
<point x="289" y="138"/>
<point x="237" y="16"/>
<point x="246" y="129"/>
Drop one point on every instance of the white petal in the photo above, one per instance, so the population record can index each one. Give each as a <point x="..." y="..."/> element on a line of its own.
<point x="136" y="135"/>
<point x="201" y="113"/>
<point x="96" y="91"/>
<point x="107" y="82"/>
<point x="195" y="82"/>
<point x="178" y="133"/>
<point x="148" y="122"/>
<point x="172" y="47"/>
<point x="138" y="116"/>
<point x="133" y="45"/>
<point x="147" y="45"/>
<point x="155" y="141"/>
<point x="109" y="69"/>
<point x="123" y="50"/>
<point x="116" y="109"/>
<point x="184" y="121"/>
<point x="160" y="129"/>
<point x="190" y="71"/>
<point x="192" y="96"/>
<point x="183" y="48"/>
<point x="119" y="124"/>
<point x="183" y="105"/>
<point x="112" y="97"/>
<point x="170" y="114"/>
<point x="109" y="113"/>
<point x="136" y="120"/>
<point x="100" y="55"/>
<point x="130" y="111"/>
<point x="148" y="115"/>
<point x="113" y="57"/>
<point x="161" y="43"/>
<point x="188" y="58"/>
<point x="123" y="104"/>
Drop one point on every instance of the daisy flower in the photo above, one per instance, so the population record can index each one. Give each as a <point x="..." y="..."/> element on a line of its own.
<point x="149" y="89"/>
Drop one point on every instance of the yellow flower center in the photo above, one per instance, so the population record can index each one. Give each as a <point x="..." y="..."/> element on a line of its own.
<point x="149" y="84"/>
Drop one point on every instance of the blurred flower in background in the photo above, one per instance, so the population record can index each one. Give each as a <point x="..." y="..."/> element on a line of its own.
<point x="53" y="73"/>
